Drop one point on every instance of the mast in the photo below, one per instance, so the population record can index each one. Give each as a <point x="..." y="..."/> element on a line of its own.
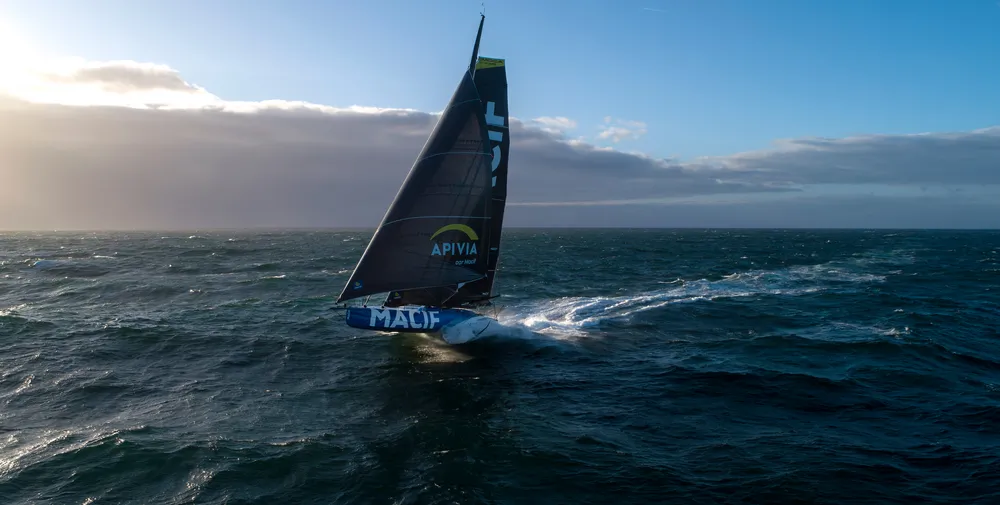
<point x="475" y="48"/>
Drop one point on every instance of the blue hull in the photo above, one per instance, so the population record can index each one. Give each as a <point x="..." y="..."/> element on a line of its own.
<point x="407" y="319"/>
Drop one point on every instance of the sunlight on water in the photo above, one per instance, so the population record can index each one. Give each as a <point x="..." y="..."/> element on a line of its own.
<point x="431" y="349"/>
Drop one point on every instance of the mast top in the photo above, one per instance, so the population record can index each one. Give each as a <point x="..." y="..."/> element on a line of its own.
<point x="475" y="49"/>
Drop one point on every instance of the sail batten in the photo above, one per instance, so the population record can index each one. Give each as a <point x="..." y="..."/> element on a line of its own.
<point x="436" y="217"/>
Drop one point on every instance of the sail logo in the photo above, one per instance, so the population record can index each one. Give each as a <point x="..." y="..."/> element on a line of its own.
<point x="454" y="248"/>
<point x="404" y="319"/>
<point x="495" y="135"/>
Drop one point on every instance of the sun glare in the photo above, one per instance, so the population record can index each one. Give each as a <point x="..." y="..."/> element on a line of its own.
<point x="29" y="75"/>
<point x="17" y="57"/>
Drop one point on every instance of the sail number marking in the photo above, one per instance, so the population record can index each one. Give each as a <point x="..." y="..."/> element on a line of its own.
<point x="495" y="135"/>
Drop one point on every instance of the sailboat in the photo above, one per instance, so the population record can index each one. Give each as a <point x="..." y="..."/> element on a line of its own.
<point x="435" y="253"/>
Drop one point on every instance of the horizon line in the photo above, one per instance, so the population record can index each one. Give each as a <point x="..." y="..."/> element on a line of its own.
<point x="260" y="229"/>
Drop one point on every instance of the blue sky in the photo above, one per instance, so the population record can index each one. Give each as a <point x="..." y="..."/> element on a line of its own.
<point x="708" y="78"/>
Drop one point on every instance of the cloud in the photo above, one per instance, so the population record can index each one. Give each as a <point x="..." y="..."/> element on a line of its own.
<point x="126" y="76"/>
<point x="927" y="158"/>
<point x="859" y="211"/>
<point x="557" y="124"/>
<point x="75" y="81"/>
<point x="618" y="129"/>
<point x="154" y="151"/>
<point x="277" y="165"/>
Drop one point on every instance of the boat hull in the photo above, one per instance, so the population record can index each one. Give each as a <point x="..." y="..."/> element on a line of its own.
<point x="405" y="319"/>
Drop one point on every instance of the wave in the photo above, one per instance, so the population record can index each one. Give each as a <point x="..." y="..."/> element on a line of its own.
<point x="71" y="267"/>
<point x="573" y="315"/>
<point x="478" y="328"/>
<point x="265" y="279"/>
<point x="568" y="318"/>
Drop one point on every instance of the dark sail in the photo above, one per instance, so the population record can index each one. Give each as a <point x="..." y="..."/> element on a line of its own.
<point x="436" y="232"/>
<point x="491" y="81"/>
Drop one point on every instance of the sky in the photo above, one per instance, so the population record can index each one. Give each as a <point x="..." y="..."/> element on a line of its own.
<point x="774" y="113"/>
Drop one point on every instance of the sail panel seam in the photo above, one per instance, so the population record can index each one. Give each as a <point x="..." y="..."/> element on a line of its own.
<point x="474" y="153"/>
<point x="459" y="103"/>
<point x="432" y="217"/>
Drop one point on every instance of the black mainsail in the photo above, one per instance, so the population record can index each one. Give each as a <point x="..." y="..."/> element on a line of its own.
<point x="441" y="233"/>
<point x="491" y="81"/>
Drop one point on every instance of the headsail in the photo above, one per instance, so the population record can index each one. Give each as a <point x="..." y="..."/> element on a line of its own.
<point x="436" y="233"/>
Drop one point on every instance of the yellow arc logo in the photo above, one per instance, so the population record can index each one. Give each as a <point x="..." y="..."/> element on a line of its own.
<point x="469" y="232"/>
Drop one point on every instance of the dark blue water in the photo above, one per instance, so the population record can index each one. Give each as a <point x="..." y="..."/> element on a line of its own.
<point x="639" y="367"/>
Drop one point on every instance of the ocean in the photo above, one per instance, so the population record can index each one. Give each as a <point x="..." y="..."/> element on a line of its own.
<point x="633" y="366"/>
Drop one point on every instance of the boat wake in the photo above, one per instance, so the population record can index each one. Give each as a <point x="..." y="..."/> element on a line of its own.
<point x="482" y="327"/>
<point x="572" y="317"/>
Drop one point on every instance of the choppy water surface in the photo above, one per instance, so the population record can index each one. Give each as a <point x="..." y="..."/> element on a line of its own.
<point x="637" y="366"/>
